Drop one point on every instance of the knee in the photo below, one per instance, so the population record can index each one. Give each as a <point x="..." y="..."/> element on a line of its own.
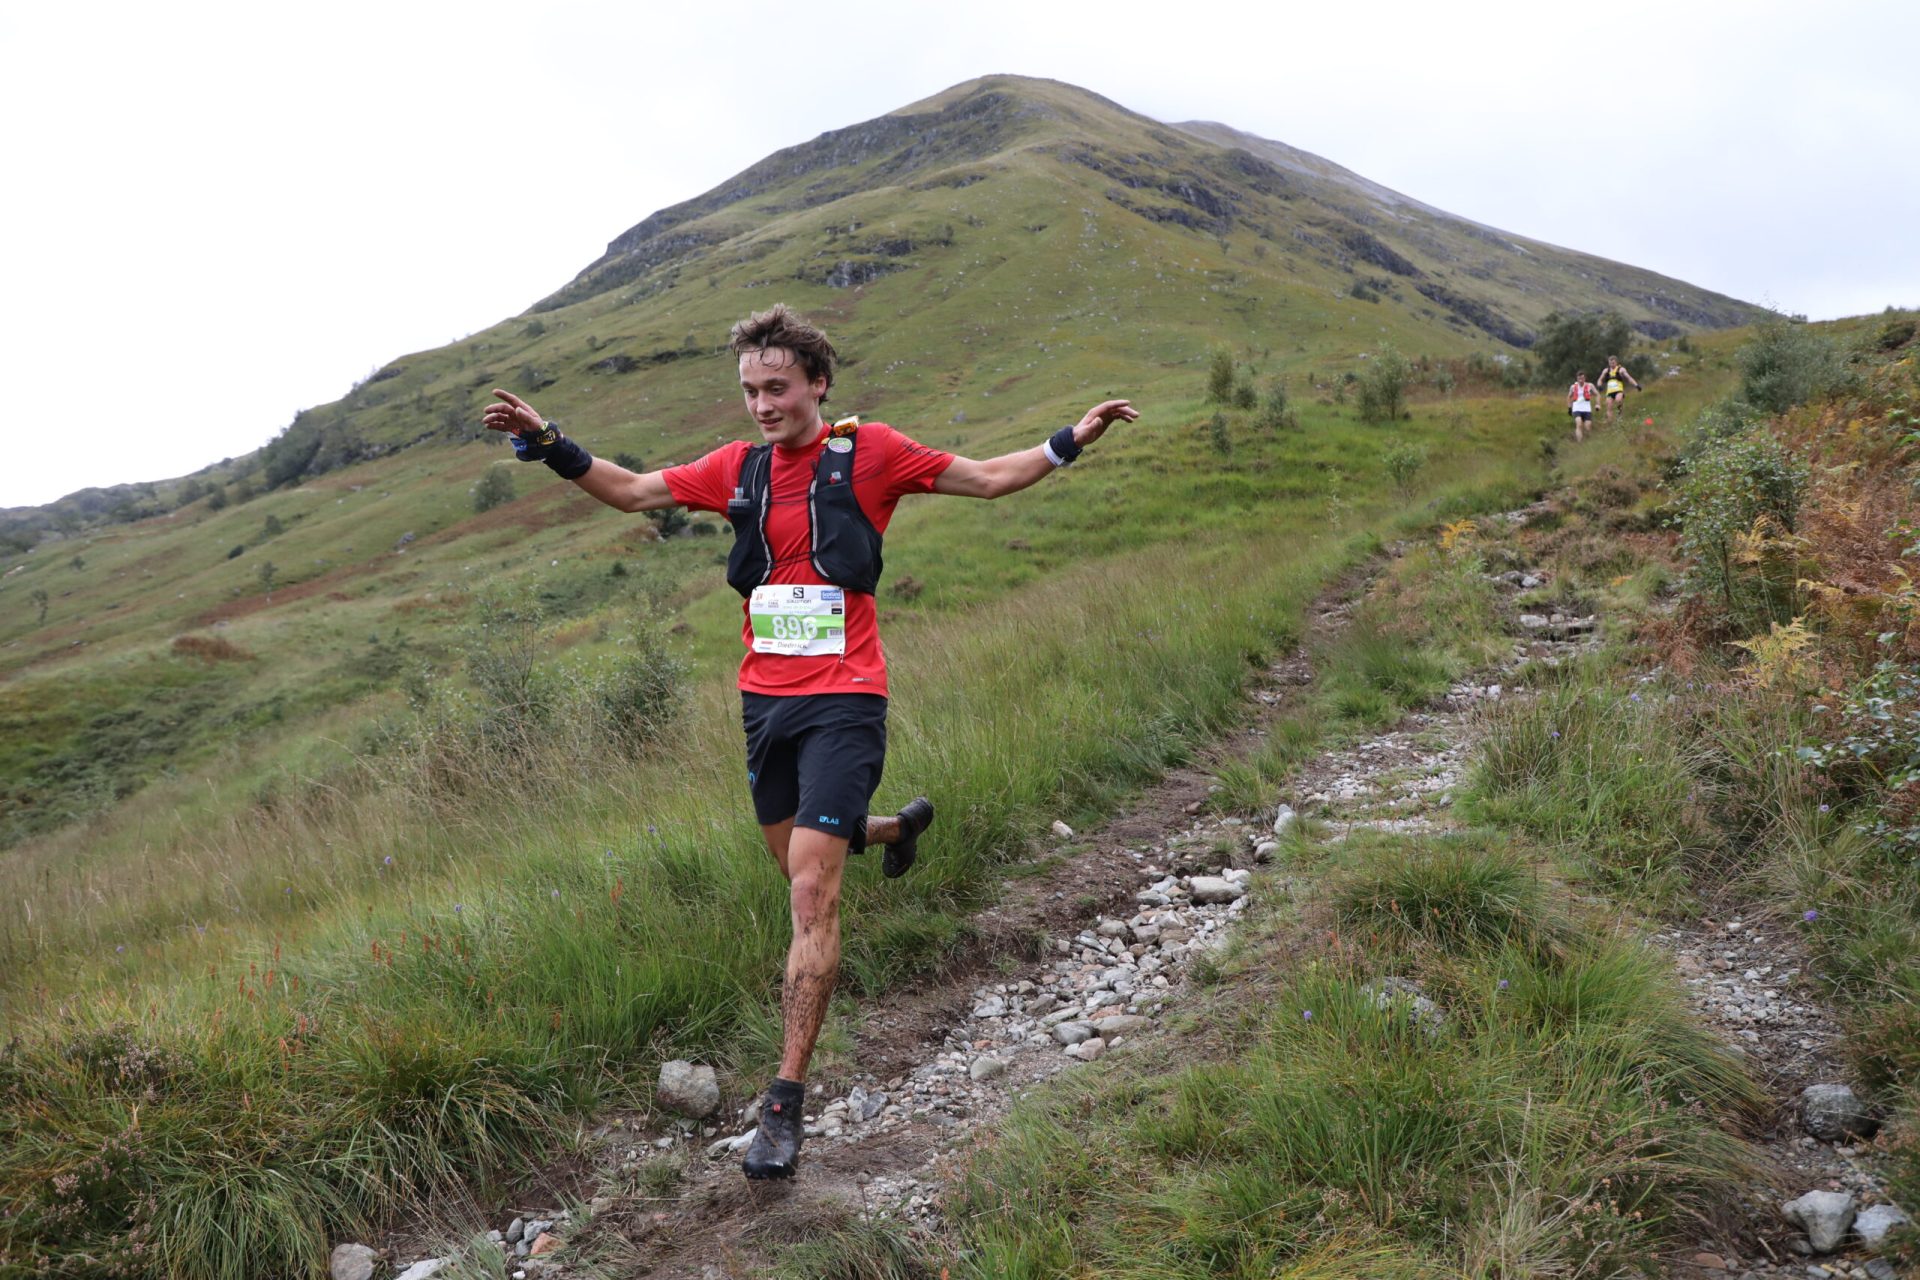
<point x="815" y="898"/>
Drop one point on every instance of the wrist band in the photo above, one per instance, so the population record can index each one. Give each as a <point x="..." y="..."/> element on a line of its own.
<point x="1060" y="448"/>
<point x="568" y="460"/>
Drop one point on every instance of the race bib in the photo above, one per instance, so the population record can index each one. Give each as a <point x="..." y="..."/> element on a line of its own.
<point x="799" y="621"/>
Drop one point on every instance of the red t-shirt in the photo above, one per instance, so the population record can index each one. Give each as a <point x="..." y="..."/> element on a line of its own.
<point x="886" y="467"/>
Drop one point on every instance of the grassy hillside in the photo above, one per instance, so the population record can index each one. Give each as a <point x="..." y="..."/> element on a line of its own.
<point x="988" y="260"/>
<point x="278" y="835"/>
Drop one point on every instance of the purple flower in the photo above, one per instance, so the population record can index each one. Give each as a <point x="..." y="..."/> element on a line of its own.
<point x="1826" y="808"/>
<point x="652" y="830"/>
<point x="1633" y="697"/>
<point x="556" y="893"/>
<point x="1811" y="916"/>
<point x="1503" y="984"/>
<point x="387" y="861"/>
<point x="1556" y="733"/>
<point x="458" y="908"/>
<point x="122" y="947"/>
<point x="1307" y="1015"/>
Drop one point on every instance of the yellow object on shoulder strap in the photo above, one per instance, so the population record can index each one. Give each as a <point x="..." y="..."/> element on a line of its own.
<point x="844" y="427"/>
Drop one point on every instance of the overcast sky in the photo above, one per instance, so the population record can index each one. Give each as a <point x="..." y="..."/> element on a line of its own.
<point x="218" y="214"/>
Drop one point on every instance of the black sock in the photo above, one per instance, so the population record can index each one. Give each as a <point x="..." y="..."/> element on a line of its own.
<point x="788" y="1093"/>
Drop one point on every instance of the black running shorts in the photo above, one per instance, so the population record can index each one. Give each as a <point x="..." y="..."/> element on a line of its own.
<point x="815" y="758"/>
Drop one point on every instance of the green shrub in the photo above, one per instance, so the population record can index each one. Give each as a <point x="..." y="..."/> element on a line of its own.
<point x="1872" y="752"/>
<point x="1403" y="462"/>
<point x="1382" y="386"/>
<point x="1217" y="434"/>
<point x="495" y="488"/>
<point x="1276" y="409"/>
<point x="1571" y="341"/>
<point x="1894" y="335"/>
<point x="1736" y="496"/>
<point x="1788" y="363"/>
<point x="1220" y="376"/>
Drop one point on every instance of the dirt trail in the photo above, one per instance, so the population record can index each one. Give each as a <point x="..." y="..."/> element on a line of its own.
<point x="1082" y="956"/>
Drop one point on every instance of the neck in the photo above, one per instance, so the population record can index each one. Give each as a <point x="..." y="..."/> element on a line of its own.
<point x="811" y="436"/>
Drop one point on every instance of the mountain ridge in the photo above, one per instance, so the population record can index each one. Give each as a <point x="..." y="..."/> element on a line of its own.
<point x="902" y="207"/>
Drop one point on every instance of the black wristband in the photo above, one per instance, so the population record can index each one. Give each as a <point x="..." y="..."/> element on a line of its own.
<point x="568" y="460"/>
<point x="1060" y="447"/>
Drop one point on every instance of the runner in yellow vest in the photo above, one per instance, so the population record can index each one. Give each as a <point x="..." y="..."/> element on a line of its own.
<point x="1614" y="380"/>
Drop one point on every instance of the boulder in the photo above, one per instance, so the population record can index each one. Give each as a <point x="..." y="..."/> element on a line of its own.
<point x="1823" y="1215"/>
<point x="687" y="1089"/>
<point x="352" y="1262"/>
<point x="1216" y="889"/>
<point x="1832" y="1113"/>
<point x="1875" y="1221"/>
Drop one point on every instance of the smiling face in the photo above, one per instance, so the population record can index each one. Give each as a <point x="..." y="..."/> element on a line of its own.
<point x="782" y="401"/>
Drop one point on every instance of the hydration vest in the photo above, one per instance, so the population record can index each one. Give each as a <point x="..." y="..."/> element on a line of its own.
<point x="845" y="545"/>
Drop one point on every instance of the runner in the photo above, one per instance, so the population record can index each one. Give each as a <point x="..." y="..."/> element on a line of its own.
<point x="1580" y="398"/>
<point x="1613" y="380"/>
<point x="809" y="504"/>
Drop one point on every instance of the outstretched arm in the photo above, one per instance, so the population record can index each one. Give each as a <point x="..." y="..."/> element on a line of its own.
<point x="611" y="483"/>
<point x="1012" y="472"/>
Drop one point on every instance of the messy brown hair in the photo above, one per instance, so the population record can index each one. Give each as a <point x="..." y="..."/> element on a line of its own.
<point x="779" y="326"/>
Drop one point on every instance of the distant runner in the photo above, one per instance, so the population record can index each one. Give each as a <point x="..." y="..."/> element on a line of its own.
<point x="808" y="505"/>
<point x="1580" y="398"/>
<point x="1613" y="383"/>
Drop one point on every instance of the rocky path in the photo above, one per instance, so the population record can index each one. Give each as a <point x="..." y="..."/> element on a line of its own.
<point x="1081" y="960"/>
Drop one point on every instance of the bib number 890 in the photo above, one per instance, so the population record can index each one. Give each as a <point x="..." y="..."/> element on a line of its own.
<point x="794" y="628"/>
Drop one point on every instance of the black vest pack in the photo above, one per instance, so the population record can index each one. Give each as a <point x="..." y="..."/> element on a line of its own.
<point x="846" y="546"/>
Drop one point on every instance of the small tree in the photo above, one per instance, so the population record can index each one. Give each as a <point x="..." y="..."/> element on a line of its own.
<point x="39" y="598"/>
<point x="1217" y="434"/>
<point x="1276" y="410"/>
<point x="1383" y="386"/>
<point x="494" y="489"/>
<point x="668" y="521"/>
<point x="217" y="500"/>
<point x="1220" y="377"/>
<point x="1403" y="462"/>
<point x="1569" y="343"/>
<point x="272" y="528"/>
<point x="268" y="572"/>
<point x="631" y="461"/>
<point x="77" y="563"/>
<point x="1788" y="363"/>
<point x="1244" y="396"/>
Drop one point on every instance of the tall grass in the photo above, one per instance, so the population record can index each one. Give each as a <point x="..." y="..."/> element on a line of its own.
<point x="432" y="1022"/>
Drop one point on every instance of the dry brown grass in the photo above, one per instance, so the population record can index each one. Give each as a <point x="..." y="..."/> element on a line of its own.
<point x="211" y="649"/>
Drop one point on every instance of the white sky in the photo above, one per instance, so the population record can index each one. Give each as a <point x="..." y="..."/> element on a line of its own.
<point x="217" y="214"/>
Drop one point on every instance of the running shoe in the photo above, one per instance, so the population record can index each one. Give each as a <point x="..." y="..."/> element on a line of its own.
<point x="914" y="819"/>
<point x="775" y="1149"/>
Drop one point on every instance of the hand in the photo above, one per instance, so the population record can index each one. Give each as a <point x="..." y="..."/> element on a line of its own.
<point x="1100" y="417"/>
<point x="532" y="438"/>
<point x="512" y="414"/>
